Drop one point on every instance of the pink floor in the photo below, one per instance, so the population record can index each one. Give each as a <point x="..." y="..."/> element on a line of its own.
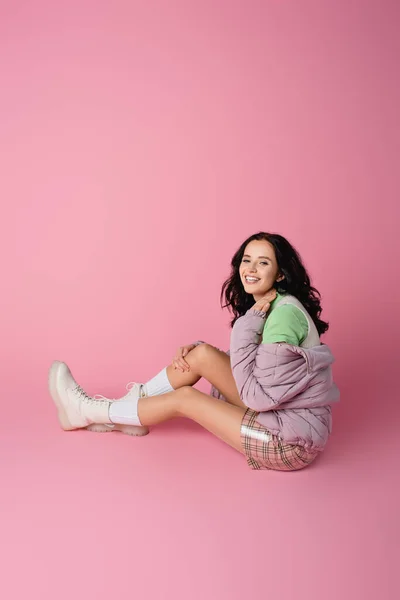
<point x="178" y="515"/>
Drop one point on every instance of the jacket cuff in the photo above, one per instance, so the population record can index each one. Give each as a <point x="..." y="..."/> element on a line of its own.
<point x="257" y="313"/>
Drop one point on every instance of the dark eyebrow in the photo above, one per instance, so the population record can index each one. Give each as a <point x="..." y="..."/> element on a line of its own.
<point x="248" y="255"/>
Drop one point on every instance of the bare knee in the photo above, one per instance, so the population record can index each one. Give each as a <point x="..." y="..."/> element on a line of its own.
<point x="201" y="354"/>
<point x="182" y="397"/>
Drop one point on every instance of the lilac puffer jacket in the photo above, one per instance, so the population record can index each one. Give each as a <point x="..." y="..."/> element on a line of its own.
<point x="291" y="387"/>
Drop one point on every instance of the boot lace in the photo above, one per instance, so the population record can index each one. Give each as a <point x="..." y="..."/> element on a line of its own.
<point x="129" y="386"/>
<point x="85" y="396"/>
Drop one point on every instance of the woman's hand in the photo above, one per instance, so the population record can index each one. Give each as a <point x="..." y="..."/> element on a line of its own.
<point x="265" y="302"/>
<point x="179" y="362"/>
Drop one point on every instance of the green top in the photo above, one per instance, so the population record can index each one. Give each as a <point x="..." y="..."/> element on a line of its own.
<point x="285" y="323"/>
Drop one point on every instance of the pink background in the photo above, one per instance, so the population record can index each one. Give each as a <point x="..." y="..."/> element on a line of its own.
<point x="140" y="143"/>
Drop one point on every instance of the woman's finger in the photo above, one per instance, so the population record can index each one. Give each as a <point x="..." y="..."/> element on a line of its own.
<point x="178" y="359"/>
<point x="177" y="364"/>
<point x="185" y="351"/>
<point x="184" y="364"/>
<point x="263" y="306"/>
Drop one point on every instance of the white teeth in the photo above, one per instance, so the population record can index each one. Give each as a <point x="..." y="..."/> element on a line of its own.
<point x="251" y="279"/>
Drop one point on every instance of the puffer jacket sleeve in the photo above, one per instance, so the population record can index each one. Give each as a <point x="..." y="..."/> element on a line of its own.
<point x="260" y="384"/>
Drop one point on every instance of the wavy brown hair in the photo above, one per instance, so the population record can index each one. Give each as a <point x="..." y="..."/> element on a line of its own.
<point x="296" y="281"/>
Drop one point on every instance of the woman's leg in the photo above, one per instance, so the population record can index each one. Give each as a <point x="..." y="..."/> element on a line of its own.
<point x="76" y="409"/>
<point x="220" y="418"/>
<point x="212" y="364"/>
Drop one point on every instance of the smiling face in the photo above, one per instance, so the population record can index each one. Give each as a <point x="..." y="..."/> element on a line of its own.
<point x="259" y="268"/>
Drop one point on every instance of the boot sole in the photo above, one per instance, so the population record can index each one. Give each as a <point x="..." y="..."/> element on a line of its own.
<point x="126" y="429"/>
<point x="62" y="416"/>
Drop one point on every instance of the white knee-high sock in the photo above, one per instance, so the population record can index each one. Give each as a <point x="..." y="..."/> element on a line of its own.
<point x="158" y="385"/>
<point x="125" y="410"/>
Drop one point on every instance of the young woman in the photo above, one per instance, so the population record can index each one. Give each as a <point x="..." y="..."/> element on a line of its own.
<point x="271" y="394"/>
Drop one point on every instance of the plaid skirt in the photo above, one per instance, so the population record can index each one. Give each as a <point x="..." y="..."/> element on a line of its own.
<point x="264" y="450"/>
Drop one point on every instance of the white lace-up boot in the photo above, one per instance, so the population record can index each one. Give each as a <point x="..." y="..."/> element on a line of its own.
<point x="76" y="409"/>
